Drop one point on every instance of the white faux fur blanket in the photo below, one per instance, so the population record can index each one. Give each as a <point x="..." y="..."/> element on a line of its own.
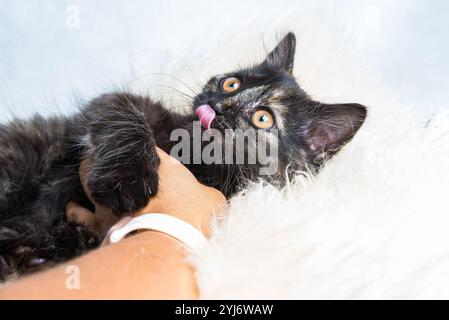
<point x="374" y="224"/>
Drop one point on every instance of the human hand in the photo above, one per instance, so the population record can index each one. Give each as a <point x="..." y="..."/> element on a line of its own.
<point x="180" y="195"/>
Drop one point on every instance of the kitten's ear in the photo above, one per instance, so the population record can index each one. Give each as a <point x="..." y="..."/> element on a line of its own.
<point x="332" y="126"/>
<point x="283" y="56"/>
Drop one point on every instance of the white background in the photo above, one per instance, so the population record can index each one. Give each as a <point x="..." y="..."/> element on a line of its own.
<point x="44" y="64"/>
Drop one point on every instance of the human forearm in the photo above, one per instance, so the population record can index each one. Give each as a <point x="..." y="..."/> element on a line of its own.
<point x="149" y="265"/>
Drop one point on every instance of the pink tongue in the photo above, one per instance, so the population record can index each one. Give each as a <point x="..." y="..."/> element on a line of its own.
<point x="206" y="115"/>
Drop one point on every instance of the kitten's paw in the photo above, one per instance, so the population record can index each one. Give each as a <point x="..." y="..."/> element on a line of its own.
<point x="6" y="268"/>
<point x="19" y="261"/>
<point x="124" y="190"/>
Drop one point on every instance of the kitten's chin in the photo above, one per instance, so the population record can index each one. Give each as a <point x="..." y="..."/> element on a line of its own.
<point x="220" y="124"/>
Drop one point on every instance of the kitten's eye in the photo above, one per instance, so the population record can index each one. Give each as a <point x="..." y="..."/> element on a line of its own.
<point x="231" y="84"/>
<point x="263" y="119"/>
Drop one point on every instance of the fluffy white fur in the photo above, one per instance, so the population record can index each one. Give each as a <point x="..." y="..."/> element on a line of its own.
<point x="373" y="224"/>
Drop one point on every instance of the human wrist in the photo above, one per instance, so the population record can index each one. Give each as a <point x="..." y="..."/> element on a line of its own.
<point x="196" y="212"/>
<point x="199" y="219"/>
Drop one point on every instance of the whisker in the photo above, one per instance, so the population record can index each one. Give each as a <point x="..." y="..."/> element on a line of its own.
<point x="180" y="61"/>
<point x="160" y="74"/>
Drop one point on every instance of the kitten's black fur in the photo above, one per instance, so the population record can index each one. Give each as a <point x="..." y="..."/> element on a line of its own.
<point x="39" y="158"/>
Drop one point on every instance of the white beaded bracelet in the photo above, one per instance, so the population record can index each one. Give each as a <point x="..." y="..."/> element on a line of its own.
<point x="174" y="227"/>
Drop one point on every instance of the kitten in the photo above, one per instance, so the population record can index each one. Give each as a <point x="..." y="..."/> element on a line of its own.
<point x="39" y="158"/>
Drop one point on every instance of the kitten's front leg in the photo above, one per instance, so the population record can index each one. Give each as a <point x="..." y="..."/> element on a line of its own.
<point x="122" y="147"/>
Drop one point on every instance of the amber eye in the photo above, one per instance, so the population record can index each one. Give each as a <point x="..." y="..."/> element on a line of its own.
<point x="263" y="119"/>
<point x="231" y="84"/>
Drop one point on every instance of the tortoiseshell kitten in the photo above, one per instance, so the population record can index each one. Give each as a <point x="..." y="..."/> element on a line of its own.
<point x="39" y="158"/>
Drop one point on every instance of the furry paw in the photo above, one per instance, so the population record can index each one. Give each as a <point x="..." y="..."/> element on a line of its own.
<point x="6" y="268"/>
<point x="72" y="239"/>
<point x="123" y="148"/>
<point x="125" y="189"/>
<point x="20" y="260"/>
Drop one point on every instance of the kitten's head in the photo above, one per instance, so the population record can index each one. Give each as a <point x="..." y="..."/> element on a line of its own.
<point x="266" y="97"/>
